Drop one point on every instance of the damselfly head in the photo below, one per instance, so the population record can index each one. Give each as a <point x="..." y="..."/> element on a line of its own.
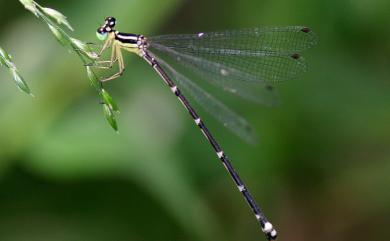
<point x="110" y="22"/>
<point x="108" y="27"/>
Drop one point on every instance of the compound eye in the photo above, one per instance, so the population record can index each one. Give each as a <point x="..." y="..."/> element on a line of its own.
<point x="111" y="23"/>
<point x="101" y="35"/>
<point x="101" y="30"/>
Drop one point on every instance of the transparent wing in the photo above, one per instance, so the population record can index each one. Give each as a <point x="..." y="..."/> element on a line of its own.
<point x="256" y="54"/>
<point x="257" y="92"/>
<point x="283" y="40"/>
<point x="213" y="106"/>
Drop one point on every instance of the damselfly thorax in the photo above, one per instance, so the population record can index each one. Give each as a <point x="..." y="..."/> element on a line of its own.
<point x="134" y="43"/>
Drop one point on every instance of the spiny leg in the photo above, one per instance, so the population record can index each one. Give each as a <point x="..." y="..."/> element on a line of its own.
<point x="117" y="51"/>
<point x="115" y="56"/>
<point x="105" y="46"/>
<point x="101" y="64"/>
<point x="105" y="64"/>
<point x="95" y="45"/>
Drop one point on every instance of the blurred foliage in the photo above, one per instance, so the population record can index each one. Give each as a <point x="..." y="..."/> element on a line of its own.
<point x="320" y="172"/>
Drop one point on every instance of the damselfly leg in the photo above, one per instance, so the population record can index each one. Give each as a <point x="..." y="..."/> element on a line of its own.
<point x="116" y="56"/>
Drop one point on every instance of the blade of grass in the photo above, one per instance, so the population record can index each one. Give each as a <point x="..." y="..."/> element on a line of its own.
<point x="54" y="19"/>
<point x="6" y="61"/>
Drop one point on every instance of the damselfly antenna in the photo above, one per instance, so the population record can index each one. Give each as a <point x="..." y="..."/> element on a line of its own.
<point x="243" y="62"/>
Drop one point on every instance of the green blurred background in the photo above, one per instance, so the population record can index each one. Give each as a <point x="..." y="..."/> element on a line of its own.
<point x="320" y="172"/>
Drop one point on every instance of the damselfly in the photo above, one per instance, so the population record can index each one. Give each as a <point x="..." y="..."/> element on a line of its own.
<point x="243" y="62"/>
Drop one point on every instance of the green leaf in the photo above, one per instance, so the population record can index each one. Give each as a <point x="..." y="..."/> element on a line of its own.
<point x="93" y="78"/>
<point x="109" y="114"/>
<point x="109" y="101"/>
<point x="60" y="36"/>
<point x="2" y="61"/>
<point x="56" y="15"/>
<point x="22" y="85"/>
<point x="30" y="5"/>
<point x="27" y="2"/>
<point x="5" y="59"/>
<point x="84" y="48"/>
